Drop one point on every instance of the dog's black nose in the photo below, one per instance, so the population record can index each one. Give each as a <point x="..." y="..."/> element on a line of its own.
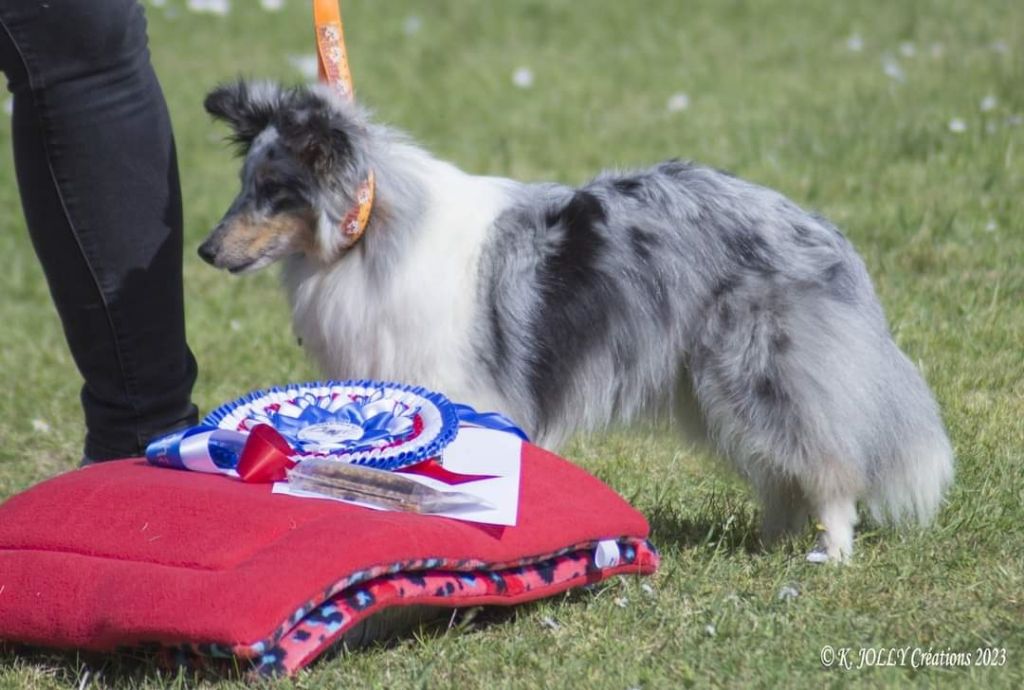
<point x="207" y="253"/>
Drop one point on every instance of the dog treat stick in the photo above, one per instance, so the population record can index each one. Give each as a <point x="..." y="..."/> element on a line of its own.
<point x="379" y="487"/>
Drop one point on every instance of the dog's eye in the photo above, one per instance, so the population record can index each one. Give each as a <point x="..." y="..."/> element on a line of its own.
<point x="278" y="195"/>
<point x="271" y="190"/>
<point x="285" y="202"/>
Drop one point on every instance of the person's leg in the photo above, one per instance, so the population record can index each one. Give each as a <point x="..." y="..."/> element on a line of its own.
<point x="98" y="178"/>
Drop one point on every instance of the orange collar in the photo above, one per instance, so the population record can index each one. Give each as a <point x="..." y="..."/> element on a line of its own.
<point x="355" y="221"/>
<point x="333" y="70"/>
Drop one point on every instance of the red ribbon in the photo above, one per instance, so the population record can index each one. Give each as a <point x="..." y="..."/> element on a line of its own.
<point x="433" y="469"/>
<point x="267" y="457"/>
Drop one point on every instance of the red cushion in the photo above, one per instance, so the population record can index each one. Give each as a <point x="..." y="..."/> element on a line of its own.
<point x="123" y="553"/>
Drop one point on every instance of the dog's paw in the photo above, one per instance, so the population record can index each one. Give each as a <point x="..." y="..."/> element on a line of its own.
<point x="817" y="555"/>
<point x="829" y="550"/>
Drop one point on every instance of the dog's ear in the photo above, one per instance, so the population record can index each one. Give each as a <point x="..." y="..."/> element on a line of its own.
<point x="317" y="132"/>
<point x="248" y="108"/>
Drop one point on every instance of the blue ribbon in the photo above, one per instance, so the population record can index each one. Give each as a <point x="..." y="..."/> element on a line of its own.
<point x="488" y="420"/>
<point x="200" y="449"/>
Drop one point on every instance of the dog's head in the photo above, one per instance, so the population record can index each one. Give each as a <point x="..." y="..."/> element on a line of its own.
<point x="304" y="156"/>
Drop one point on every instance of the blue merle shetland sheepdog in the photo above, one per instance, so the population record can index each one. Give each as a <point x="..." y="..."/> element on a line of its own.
<point x="674" y="289"/>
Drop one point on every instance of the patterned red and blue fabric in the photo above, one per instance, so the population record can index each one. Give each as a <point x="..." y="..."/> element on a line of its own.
<point x="426" y="582"/>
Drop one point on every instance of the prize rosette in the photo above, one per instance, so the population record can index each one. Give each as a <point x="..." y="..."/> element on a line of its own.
<point x="380" y="425"/>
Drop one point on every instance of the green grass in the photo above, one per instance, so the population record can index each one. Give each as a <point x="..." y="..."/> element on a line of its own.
<point x="775" y="95"/>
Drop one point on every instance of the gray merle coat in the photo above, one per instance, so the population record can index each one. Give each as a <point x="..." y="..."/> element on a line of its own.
<point x="676" y="290"/>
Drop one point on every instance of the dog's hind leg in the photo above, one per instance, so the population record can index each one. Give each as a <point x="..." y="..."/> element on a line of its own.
<point x="836" y="516"/>
<point x="686" y="412"/>
<point x="784" y="510"/>
<point x="768" y="404"/>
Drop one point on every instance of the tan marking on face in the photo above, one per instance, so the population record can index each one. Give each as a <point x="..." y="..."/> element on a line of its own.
<point x="249" y="238"/>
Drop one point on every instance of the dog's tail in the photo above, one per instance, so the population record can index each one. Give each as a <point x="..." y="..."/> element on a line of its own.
<point x="920" y="463"/>
<point x="913" y="491"/>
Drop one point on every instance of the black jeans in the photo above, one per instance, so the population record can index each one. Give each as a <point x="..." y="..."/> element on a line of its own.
<point x="98" y="177"/>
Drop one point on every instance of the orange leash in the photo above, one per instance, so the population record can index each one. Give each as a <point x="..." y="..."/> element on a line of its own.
<point x="332" y="65"/>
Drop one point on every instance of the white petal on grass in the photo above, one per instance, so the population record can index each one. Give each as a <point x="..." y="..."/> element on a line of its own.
<point x="157" y="3"/>
<point x="908" y="49"/>
<point x="218" y="7"/>
<point x="1015" y="120"/>
<point x="235" y="325"/>
<point x="788" y="592"/>
<point x="957" y="126"/>
<point x="647" y="589"/>
<point x="855" y="43"/>
<point x="891" y="68"/>
<point x="306" y="65"/>
<point x="937" y="50"/>
<point x="40" y="426"/>
<point x="9" y="106"/>
<point x="678" y="102"/>
<point x="991" y="226"/>
<point x="988" y="103"/>
<point x="523" y="77"/>
<point x="272" y="5"/>
<point x="1000" y="47"/>
<point x="710" y="630"/>
<point x="549" y="622"/>
<point x="412" y="25"/>
<point x="621" y="602"/>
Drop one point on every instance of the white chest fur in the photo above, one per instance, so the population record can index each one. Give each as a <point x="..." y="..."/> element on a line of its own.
<point x="413" y="323"/>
